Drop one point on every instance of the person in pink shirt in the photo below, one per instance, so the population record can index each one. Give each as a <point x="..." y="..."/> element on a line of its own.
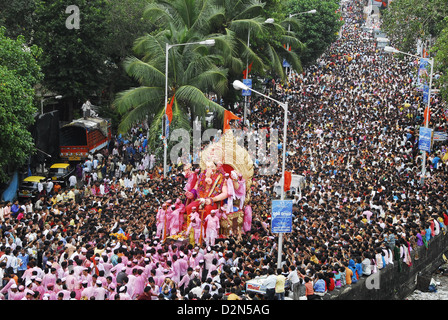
<point x="49" y="278"/>
<point x="52" y="294"/>
<point x="247" y="221"/>
<point x="181" y="206"/>
<point x="208" y="257"/>
<point x="20" y="294"/>
<point x="99" y="292"/>
<point x="102" y="278"/>
<point x="174" y="226"/>
<point x="65" y="293"/>
<point x="160" y="221"/>
<point x="212" y="222"/>
<point x="78" y="268"/>
<point x="71" y="280"/>
<point x="183" y="264"/>
<point x="139" y="284"/>
<point x="87" y="290"/>
<point x="149" y="265"/>
<point x="78" y="291"/>
<point x="183" y="283"/>
<point x="130" y="268"/>
<point x="158" y="278"/>
<point x="86" y="276"/>
<point x="28" y="272"/>
<point x="195" y="225"/>
<point x="118" y="266"/>
<point x="39" y="287"/>
<point x="12" y="292"/>
<point x="10" y="282"/>
<point x="122" y="291"/>
<point x="107" y="265"/>
<point x="176" y="269"/>
<point x="110" y="291"/>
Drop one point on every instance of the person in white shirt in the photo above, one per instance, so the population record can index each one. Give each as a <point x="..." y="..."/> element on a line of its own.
<point x="50" y="185"/>
<point x="294" y="279"/>
<point x="72" y="180"/>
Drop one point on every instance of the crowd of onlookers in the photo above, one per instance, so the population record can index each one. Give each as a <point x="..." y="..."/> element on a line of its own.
<point x="353" y="135"/>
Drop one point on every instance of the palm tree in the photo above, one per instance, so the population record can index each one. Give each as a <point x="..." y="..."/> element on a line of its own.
<point x="245" y="20"/>
<point x="193" y="69"/>
<point x="196" y="70"/>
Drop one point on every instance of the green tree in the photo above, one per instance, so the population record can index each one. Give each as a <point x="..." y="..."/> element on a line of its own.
<point x="246" y="21"/>
<point x="193" y="69"/>
<point x="124" y="24"/>
<point x="316" y="31"/>
<point x="440" y="51"/>
<point x="19" y="73"/>
<point x="17" y="17"/>
<point x="406" y="21"/>
<point x="74" y="59"/>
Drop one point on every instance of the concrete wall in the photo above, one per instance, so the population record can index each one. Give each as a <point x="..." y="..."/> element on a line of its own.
<point x="393" y="284"/>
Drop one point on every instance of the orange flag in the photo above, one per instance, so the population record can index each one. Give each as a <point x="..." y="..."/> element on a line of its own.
<point x="169" y="109"/>
<point x="228" y="115"/>
<point x="427" y="114"/>
<point x="246" y="71"/>
<point x="287" y="184"/>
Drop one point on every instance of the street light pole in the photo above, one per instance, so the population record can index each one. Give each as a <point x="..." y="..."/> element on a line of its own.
<point x="269" y="20"/>
<point x="42" y="102"/>
<point x="427" y="119"/>
<point x="289" y="30"/>
<point x="426" y="124"/>
<point x="168" y="46"/>
<point x="238" y="85"/>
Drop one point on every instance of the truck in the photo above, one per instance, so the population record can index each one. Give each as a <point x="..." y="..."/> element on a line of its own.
<point x="83" y="136"/>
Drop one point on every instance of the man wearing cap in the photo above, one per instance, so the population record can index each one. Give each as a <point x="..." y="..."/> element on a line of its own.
<point x="122" y="291"/>
<point x="174" y="226"/>
<point x="65" y="292"/>
<point x="99" y="292"/>
<point x="39" y="287"/>
<point x="195" y="225"/>
<point x="49" y="277"/>
<point x="212" y="228"/>
<point x="20" y="294"/>
<point x="12" y="292"/>
<point x="87" y="291"/>
<point x="29" y="295"/>
<point x="86" y="276"/>
<point x="161" y="221"/>
<point x="49" y="290"/>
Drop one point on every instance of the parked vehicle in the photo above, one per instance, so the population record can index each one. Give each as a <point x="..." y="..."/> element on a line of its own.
<point x="61" y="172"/>
<point x="28" y="188"/>
<point x="83" y="136"/>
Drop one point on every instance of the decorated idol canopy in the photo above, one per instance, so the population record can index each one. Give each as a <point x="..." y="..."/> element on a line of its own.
<point x="219" y="188"/>
<point x="231" y="155"/>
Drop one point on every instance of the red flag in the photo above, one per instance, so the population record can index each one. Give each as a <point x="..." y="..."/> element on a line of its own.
<point x="169" y="109"/>
<point x="246" y="71"/>
<point x="427" y="114"/>
<point x="228" y="115"/>
<point x="287" y="184"/>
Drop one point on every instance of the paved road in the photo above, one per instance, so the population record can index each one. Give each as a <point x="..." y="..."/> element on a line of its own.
<point x="442" y="288"/>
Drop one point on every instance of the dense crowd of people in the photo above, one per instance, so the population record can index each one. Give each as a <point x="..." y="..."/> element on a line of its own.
<point x="353" y="135"/>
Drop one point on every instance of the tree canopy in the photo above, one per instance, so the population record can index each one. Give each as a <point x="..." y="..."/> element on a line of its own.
<point x="19" y="73"/>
